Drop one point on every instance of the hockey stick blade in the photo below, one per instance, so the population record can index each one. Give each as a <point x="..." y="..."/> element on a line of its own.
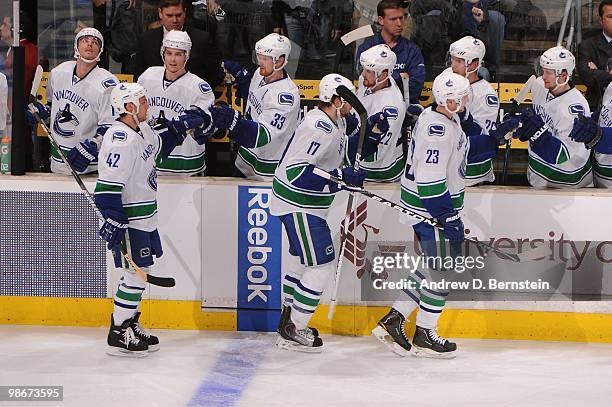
<point x="346" y="94"/>
<point x="357" y="34"/>
<point x="35" y="84"/>
<point x="432" y="222"/>
<point x="153" y="280"/>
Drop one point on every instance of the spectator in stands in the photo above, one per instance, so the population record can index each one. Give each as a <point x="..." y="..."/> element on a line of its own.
<point x="410" y="63"/>
<point x="593" y="55"/>
<point x="482" y="21"/>
<point x="205" y="58"/>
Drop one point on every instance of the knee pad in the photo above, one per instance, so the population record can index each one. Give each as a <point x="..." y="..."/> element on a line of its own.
<point x="130" y="278"/>
<point x="317" y="277"/>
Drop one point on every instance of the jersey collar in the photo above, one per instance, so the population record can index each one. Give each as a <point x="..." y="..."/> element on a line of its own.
<point x="166" y="83"/>
<point x="76" y="79"/>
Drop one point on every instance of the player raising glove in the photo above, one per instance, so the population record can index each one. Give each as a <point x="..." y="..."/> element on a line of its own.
<point x="587" y="131"/>
<point x="241" y="77"/>
<point x="349" y="175"/>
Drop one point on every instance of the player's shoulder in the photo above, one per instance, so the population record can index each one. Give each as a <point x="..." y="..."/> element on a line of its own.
<point x="193" y="82"/>
<point x="317" y="122"/>
<point x="152" y="73"/>
<point x="434" y="126"/>
<point x="284" y="95"/>
<point x="120" y="135"/>
<point x="102" y="80"/>
<point x="576" y="103"/>
<point x="483" y="90"/>
<point x="66" y="66"/>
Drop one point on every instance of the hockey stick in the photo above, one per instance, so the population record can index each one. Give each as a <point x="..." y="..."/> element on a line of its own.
<point x="350" y="37"/>
<point x="520" y="97"/>
<point x="432" y="222"/>
<point x="154" y="280"/>
<point x="351" y="99"/>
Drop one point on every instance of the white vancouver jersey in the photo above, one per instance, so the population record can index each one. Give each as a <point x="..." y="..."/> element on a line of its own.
<point x="603" y="162"/>
<point x="127" y="167"/>
<point x="484" y="107"/>
<point x="573" y="166"/>
<point x="387" y="163"/>
<point x="317" y="141"/>
<point x="173" y="98"/>
<point x="78" y="107"/>
<point x="276" y="107"/>
<point x="436" y="162"/>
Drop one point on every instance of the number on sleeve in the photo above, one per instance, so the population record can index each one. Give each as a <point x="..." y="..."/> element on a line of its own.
<point x="314" y="146"/>
<point x="278" y="121"/>
<point x="432" y="156"/>
<point x="112" y="160"/>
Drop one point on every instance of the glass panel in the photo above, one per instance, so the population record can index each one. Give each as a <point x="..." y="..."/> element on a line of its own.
<point x="6" y="85"/>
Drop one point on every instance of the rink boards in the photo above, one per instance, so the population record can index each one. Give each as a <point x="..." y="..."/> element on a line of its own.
<point x="223" y="250"/>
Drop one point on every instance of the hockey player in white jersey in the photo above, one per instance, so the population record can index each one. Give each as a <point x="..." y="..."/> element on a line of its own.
<point x="555" y="160"/>
<point x="126" y="193"/>
<point x="378" y="92"/>
<point x="479" y="121"/>
<point x="79" y="95"/>
<point x="432" y="185"/>
<point x="171" y="90"/>
<point x="302" y="199"/>
<point x="596" y="134"/>
<point x="271" y="113"/>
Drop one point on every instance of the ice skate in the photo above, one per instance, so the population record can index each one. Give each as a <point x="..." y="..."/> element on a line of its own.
<point x="123" y="342"/>
<point x="428" y="344"/>
<point x="390" y="331"/>
<point x="301" y="340"/>
<point x="151" y="340"/>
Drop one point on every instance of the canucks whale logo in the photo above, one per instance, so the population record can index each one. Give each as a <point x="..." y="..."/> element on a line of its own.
<point x="152" y="179"/>
<point x="65" y="122"/>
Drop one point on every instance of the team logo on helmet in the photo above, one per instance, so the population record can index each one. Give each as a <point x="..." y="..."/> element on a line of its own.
<point x="338" y="79"/>
<point x="450" y="83"/>
<point x="65" y="122"/>
<point x="384" y="54"/>
<point x="562" y="54"/>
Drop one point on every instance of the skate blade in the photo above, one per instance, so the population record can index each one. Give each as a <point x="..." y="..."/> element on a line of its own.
<point x="282" y="343"/>
<point x="431" y="354"/>
<point x="386" y="339"/>
<point x="153" y="348"/>
<point x="114" y="351"/>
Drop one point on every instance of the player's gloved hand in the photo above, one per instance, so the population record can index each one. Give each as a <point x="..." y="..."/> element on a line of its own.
<point x="113" y="230"/>
<point x="453" y="226"/>
<point x="377" y="126"/>
<point x="414" y="110"/>
<point x="532" y="126"/>
<point x="206" y="126"/>
<point x="82" y="155"/>
<point x="349" y="175"/>
<point x="352" y="124"/>
<point x="585" y="130"/>
<point x="224" y="117"/>
<point x="188" y="120"/>
<point x="41" y="110"/>
<point x="240" y="74"/>
<point x="509" y="124"/>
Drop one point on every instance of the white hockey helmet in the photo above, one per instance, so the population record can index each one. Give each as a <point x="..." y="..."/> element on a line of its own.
<point x="469" y="49"/>
<point x="176" y="40"/>
<point x="274" y="45"/>
<point x="449" y="85"/>
<point x="88" y="32"/>
<point x="558" y="59"/>
<point x="378" y="59"/>
<point x="125" y="93"/>
<point x="328" y="85"/>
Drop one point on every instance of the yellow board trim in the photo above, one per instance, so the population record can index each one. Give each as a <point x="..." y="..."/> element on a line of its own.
<point x="348" y="320"/>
